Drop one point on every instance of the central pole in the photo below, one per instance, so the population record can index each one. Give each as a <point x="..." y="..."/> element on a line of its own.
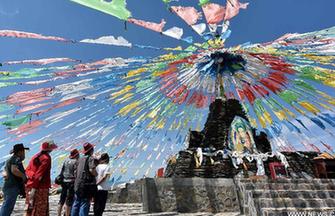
<point x="219" y="88"/>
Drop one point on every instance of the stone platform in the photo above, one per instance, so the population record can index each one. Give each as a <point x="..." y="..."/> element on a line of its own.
<point x="189" y="195"/>
<point x="114" y="209"/>
<point x="262" y="197"/>
<point x="222" y="197"/>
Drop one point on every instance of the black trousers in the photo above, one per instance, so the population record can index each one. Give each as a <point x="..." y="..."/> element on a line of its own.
<point x="67" y="195"/>
<point x="100" y="202"/>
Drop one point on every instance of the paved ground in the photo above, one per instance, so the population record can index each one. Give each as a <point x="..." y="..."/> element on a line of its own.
<point x="113" y="209"/>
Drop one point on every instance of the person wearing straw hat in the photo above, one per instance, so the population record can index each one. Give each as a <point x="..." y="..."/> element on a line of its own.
<point x="39" y="181"/>
<point x="15" y="178"/>
<point x="69" y="175"/>
<point x="85" y="184"/>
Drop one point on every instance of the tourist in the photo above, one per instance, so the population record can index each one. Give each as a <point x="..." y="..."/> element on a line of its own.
<point x="103" y="171"/>
<point x="85" y="184"/>
<point x="15" y="178"/>
<point x="39" y="182"/>
<point x="69" y="175"/>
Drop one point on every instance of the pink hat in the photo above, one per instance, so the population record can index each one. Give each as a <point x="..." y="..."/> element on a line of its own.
<point x="74" y="153"/>
<point x="48" y="145"/>
<point x="87" y="147"/>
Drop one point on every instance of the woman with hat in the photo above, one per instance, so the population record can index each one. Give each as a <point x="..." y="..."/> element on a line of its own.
<point x="39" y="181"/>
<point x="15" y="178"/>
<point x="69" y="175"/>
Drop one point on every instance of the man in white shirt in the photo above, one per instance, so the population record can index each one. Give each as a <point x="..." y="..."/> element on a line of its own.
<point x="103" y="175"/>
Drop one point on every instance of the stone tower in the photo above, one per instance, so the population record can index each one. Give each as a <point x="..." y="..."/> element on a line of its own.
<point x="215" y="133"/>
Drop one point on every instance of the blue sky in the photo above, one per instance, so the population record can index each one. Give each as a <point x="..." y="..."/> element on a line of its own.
<point x="264" y="20"/>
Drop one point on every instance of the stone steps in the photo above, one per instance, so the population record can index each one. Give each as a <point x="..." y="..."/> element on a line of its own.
<point x="294" y="203"/>
<point x="307" y="194"/>
<point x="289" y="186"/>
<point x="297" y="211"/>
<point x="279" y="197"/>
<point x="284" y="180"/>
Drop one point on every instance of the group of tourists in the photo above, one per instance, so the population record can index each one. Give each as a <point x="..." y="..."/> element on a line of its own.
<point x="83" y="179"/>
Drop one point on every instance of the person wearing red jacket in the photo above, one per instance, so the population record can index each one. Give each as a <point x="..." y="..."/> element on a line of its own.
<point x="39" y="181"/>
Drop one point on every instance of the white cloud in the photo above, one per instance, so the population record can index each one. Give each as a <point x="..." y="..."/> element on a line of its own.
<point x="4" y="12"/>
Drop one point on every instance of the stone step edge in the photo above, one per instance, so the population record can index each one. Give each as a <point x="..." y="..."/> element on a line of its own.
<point x="298" y="186"/>
<point x="196" y="213"/>
<point x="279" y="183"/>
<point x="283" y="179"/>
<point x="299" y="209"/>
<point x="284" y="201"/>
<point x="287" y="198"/>
<point x="126" y="204"/>
<point x="293" y="194"/>
<point x="291" y="183"/>
<point x="293" y="191"/>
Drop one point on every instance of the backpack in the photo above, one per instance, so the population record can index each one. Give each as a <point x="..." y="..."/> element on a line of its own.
<point x="87" y="187"/>
<point x="59" y="180"/>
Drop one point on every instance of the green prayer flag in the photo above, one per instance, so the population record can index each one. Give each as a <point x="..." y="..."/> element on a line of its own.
<point x="5" y="84"/>
<point x="304" y="84"/>
<point x="203" y="2"/>
<point x="4" y="107"/>
<point x="288" y="96"/>
<point x="311" y="73"/>
<point x="14" y="123"/>
<point x="115" y="8"/>
<point x="191" y="49"/>
<point x="258" y="106"/>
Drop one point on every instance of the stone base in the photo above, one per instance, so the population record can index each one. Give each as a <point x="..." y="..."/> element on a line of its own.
<point x="131" y="193"/>
<point x="189" y="195"/>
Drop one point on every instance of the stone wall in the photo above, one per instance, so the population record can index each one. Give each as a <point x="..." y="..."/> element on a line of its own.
<point x="131" y="193"/>
<point x="189" y="195"/>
